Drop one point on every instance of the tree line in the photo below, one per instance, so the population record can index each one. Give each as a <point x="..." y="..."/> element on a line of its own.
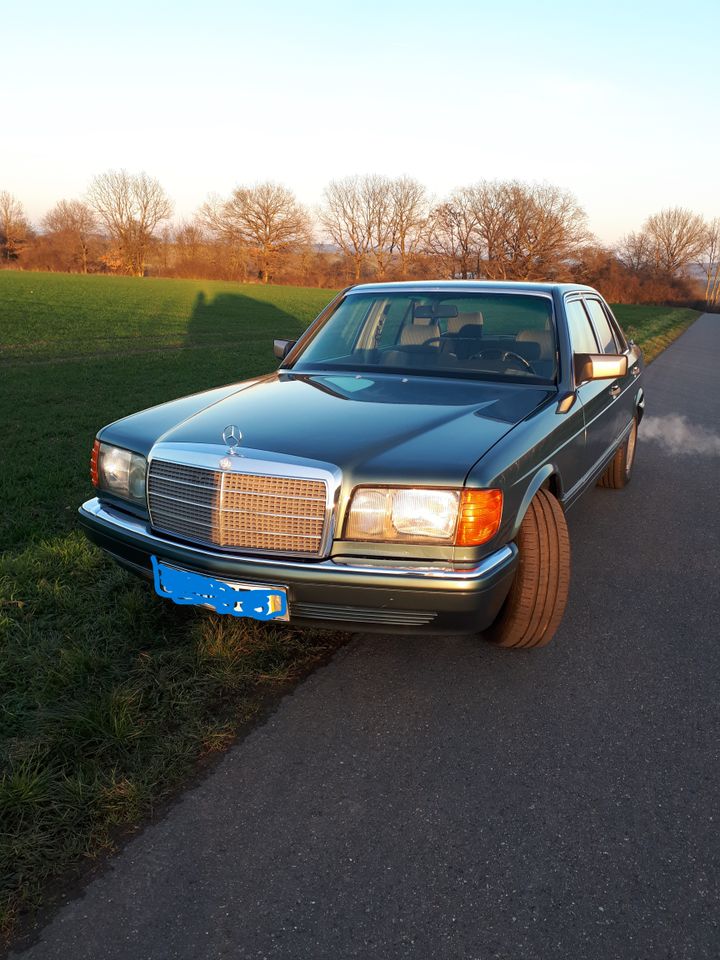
<point x="367" y="227"/>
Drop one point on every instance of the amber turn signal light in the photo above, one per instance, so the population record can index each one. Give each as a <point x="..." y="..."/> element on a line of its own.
<point x="94" y="463"/>
<point x="479" y="517"/>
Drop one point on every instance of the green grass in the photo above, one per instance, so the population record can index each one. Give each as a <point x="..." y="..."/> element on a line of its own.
<point x="654" y="328"/>
<point x="109" y="696"/>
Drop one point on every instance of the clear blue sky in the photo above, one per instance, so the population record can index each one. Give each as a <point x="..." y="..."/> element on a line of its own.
<point x="617" y="101"/>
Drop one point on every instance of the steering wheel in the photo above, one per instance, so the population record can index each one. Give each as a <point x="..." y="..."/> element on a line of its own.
<point x="505" y="355"/>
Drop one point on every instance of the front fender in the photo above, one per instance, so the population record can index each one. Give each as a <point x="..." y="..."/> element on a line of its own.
<point x="543" y="475"/>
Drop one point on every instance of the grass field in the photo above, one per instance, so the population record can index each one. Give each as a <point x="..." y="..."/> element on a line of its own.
<point x="108" y="695"/>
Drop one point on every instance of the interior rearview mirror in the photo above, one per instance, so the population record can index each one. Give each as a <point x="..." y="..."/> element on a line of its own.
<point x="599" y="366"/>
<point x="281" y="348"/>
<point x="430" y="311"/>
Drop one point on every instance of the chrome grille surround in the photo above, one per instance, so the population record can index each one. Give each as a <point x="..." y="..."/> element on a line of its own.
<point x="257" y="505"/>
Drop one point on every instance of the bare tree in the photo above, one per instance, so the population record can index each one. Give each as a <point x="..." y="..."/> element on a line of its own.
<point x="494" y="215"/>
<point x="74" y="222"/>
<point x="14" y="226"/>
<point x="410" y="216"/>
<point x="347" y="216"/>
<point x="527" y="231"/>
<point x="709" y="262"/>
<point x="190" y="238"/>
<point x="266" y="218"/>
<point x="508" y="230"/>
<point x="677" y="237"/>
<point x="228" y="247"/>
<point x="377" y="200"/>
<point x="452" y="235"/>
<point x="556" y="230"/>
<point x="378" y="216"/>
<point x="635" y="251"/>
<point x="131" y="207"/>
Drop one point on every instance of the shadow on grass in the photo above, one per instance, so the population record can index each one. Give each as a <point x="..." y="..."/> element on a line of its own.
<point x="236" y="320"/>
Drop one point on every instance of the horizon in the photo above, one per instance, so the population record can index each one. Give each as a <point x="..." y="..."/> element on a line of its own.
<point x="595" y="103"/>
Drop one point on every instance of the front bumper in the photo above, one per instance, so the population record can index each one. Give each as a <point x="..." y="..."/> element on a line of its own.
<point x="407" y="598"/>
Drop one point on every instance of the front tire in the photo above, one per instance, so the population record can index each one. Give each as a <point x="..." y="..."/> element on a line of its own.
<point x="619" y="471"/>
<point x="534" y="607"/>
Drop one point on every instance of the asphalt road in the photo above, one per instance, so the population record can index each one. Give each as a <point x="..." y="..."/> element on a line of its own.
<point x="443" y="799"/>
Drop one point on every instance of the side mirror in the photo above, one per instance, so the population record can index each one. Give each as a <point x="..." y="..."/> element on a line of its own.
<point x="600" y="366"/>
<point x="281" y="348"/>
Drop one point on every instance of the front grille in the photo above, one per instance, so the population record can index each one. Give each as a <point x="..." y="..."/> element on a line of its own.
<point x="238" y="510"/>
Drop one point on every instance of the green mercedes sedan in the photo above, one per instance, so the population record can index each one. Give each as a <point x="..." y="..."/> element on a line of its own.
<point x="407" y="467"/>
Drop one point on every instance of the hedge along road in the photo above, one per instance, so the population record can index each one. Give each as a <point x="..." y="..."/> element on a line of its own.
<point x="433" y="798"/>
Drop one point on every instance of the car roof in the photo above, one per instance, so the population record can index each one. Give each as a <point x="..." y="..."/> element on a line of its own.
<point x="469" y="286"/>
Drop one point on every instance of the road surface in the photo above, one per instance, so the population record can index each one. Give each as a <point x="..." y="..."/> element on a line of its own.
<point x="444" y="799"/>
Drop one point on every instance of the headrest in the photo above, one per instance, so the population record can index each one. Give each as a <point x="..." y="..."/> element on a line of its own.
<point x="469" y="318"/>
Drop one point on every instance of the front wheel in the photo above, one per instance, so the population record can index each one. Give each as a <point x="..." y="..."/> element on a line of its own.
<point x="618" y="472"/>
<point x="534" y="607"/>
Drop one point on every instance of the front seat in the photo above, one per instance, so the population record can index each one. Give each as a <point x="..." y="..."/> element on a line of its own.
<point x="468" y="318"/>
<point x="464" y="333"/>
<point x="542" y="350"/>
<point x="543" y="338"/>
<point x="414" y="334"/>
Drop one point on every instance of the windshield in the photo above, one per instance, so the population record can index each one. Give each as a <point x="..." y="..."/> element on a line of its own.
<point x="495" y="336"/>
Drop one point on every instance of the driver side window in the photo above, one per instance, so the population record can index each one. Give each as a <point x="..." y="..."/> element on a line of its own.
<point x="582" y="337"/>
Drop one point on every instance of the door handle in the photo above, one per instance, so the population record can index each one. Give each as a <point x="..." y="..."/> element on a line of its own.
<point x="635" y="370"/>
<point x="615" y="390"/>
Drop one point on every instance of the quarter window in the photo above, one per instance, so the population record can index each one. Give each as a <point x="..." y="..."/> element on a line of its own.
<point x="603" y="329"/>
<point x="582" y="337"/>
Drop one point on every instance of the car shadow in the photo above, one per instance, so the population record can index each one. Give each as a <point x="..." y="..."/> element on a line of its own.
<point x="233" y="319"/>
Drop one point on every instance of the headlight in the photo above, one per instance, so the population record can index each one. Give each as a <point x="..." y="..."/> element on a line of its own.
<point x="119" y="471"/>
<point x="423" y="515"/>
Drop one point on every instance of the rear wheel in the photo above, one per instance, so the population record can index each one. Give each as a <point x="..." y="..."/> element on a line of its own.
<point x="618" y="472"/>
<point x="534" y="607"/>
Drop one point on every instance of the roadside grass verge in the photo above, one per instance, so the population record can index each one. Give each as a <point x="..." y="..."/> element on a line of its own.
<point x="108" y="695"/>
<point x="654" y="328"/>
<point x="109" y="699"/>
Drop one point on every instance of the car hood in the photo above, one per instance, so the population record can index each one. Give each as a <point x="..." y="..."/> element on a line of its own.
<point x="375" y="428"/>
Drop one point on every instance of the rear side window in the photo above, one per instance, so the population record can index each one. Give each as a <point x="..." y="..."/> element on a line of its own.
<point x="604" y="331"/>
<point x="582" y="337"/>
<point x="616" y="328"/>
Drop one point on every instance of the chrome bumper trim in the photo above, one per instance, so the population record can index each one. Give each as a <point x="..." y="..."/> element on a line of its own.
<point x="98" y="515"/>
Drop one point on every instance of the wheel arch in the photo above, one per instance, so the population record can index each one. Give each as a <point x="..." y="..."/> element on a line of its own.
<point x="640" y="404"/>
<point x="549" y="478"/>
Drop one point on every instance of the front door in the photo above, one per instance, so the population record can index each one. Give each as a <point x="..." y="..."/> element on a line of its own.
<point x="601" y="425"/>
<point x="620" y="390"/>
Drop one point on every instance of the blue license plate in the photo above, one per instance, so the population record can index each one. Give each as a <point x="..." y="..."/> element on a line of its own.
<point x="239" y="600"/>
